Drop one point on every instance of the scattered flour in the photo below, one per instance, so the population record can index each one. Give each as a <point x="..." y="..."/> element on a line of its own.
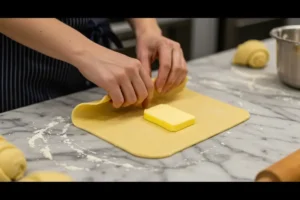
<point x="46" y="151"/>
<point x="241" y="104"/>
<point x="252" y="85"/>
<point x="214" y="84"/>
<point x="92" y="158"/>
<point x="247" y="75"/>
<point x="289" y="100"/>
<point x="71" y="168"/>
<point x="39" y="134"/>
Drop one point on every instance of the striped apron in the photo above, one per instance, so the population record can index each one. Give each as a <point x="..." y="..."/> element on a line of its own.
<point x="28" y="77"/>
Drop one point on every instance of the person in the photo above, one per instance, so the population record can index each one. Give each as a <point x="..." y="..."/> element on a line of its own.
<point x="45" y="58"/>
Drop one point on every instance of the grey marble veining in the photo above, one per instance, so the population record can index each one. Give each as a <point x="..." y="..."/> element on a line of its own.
<point x="44" y="133"/>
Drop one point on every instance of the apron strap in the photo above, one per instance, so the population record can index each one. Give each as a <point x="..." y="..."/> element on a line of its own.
<point x="99" y="31"/>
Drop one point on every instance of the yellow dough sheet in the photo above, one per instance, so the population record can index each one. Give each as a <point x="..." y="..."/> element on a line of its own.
<point x="127" y="129"/>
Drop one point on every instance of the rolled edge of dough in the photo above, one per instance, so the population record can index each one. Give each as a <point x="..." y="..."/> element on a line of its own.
<point x="76" y="114"/>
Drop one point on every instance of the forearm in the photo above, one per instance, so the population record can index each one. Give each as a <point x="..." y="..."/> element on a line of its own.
<point x="142" y="25"/>
<point x="48" y="36"/>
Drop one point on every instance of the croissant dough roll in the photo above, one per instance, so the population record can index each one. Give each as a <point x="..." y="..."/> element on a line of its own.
<point x="252" y="53"/>
<point x="4" y="177"/>
<point x="46" y="176"/>
<point x="12" y="162"/>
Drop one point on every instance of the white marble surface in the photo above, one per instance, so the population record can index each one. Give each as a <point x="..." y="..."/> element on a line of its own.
<point x="43" y="131"/>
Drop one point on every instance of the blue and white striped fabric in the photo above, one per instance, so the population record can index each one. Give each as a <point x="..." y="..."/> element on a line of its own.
<point x="27" y="76"/>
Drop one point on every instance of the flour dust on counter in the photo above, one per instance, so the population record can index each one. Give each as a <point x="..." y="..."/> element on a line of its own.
<point x="257" y="82"/>
<point x="251" y="80"/>
<point x="253" y="85"/>
<point x="59" y="127"/>
<point x="43" y="136"/>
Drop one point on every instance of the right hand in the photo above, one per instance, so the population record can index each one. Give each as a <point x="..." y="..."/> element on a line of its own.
<point x="124" y="78"/>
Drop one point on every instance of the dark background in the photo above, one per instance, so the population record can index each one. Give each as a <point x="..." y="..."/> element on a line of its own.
<point x="203" y="36"/>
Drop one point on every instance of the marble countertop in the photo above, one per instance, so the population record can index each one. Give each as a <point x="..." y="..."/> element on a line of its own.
<point x="44" y="132"/>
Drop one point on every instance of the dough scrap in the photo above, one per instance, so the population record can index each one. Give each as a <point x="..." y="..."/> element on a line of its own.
<point x="12" y="162"/>
<point x="46" y="176"/>
<point x="127" y="129"/>
<point x="252" y="53"/>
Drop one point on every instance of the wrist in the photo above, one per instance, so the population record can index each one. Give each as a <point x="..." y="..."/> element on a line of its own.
<point x="143" y="26"/>
<point x="84" y="55"/>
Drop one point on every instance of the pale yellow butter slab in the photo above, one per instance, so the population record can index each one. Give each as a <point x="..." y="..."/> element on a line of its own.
<point x="169" y="117"/>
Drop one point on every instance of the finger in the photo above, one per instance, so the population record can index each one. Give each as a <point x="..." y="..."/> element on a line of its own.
<point x="165" y="64"/>
<point x="116" y="96"/>
<point x="176" y="71"/>
<point x="184" y="72"/>
<point x="149" y="87"/>
<point x="140" y="89"/>
<point x="130" y="97"/>
<point x="146" y="62"/>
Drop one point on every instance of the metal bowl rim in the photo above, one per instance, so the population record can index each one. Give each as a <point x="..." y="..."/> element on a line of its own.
<point x="272" y="32"/>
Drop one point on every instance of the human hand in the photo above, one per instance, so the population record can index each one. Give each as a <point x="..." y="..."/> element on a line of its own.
<point x="124" y="78"/>
<point x="172" y="65"/>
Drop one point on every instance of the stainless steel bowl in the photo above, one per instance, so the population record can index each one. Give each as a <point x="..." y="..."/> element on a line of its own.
<point x="288" y="54"/>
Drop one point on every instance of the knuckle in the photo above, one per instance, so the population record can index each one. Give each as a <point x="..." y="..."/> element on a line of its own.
<point x="143" y="95"/>
<point x="120" y="74"/>
<point x="163" y="45"/>
<point x="150" y="87"/>
<point x="171" y="82"/>
<point x="109" y="79"/>
<point x="119" y="103"/>
<point x="178" y="69"/>
<point x="132" y="100"/>
<point x="136" y="63"/>
<point x="133" y="67"/>
<point x="177" y="45"/>
<point x="166" y="66"/>
<point x="130" y="70"/>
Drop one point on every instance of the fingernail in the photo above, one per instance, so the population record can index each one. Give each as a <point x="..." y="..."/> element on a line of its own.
<point x="159" y="90"/>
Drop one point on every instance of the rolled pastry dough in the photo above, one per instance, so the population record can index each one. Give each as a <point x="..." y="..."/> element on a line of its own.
<point x="125" y="127"/>
<point x="252" y="53"/>
<point x="12" y="162"/>
<point x="46" y="176"/>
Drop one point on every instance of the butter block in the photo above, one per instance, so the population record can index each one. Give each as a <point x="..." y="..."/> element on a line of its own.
<point x="169" y="117"/>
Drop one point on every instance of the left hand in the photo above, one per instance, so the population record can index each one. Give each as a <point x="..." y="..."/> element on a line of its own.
<point x="172" y="65"/>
